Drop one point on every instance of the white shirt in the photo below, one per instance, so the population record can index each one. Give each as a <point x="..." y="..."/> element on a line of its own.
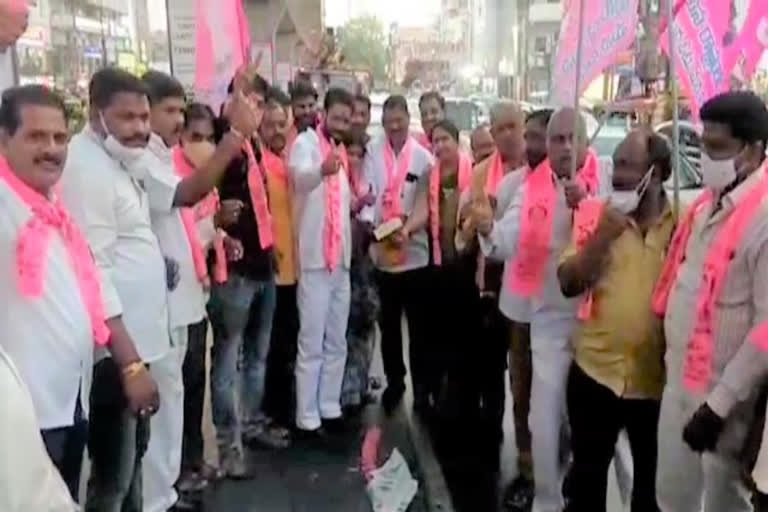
<point x="305" y="162"/>
<point x="29" y="482"/>
<point x="550" y="310"/>
<point x="186" y="302"/>
<point x="112" y="209"/>
<point x="50" y="337"/>
<point x="375" y="172"/>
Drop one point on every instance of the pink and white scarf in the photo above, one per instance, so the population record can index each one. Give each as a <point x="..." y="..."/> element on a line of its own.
<point x="257" y="189"/>
<point x="207" y="207"/>
<point x="391" y="203"/>
<point x="435" y="178"/>
<point x="332" y="235"/>
<point x="33" y="250"/>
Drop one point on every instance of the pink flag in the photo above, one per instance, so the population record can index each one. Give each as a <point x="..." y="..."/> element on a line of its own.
<point x="745" y="42"/>
<point x="223" y="44"/>
<point x="608" y="28"/>
<point x="700" y="28"/>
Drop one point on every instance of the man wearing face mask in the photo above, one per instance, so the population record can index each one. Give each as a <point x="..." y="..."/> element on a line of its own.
<point x="617" y="374"/>
<point x="172" y="192"/>
<point x="319" y="164"/>
<point x="714" y="299"/>
<point x="108" y="197"/>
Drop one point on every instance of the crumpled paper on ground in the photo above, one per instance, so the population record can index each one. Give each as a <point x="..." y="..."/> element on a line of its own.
<point x="392" y="487"/>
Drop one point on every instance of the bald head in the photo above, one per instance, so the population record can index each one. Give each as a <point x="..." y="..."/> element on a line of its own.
<point x="562" y="144"/>
<point x="507" y="125"/>
<point x="481" y="143"/>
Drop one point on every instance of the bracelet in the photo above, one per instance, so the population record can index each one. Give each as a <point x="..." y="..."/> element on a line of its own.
<point x="133" y="369"/>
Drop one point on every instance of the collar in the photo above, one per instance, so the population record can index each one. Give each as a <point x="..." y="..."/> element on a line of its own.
<point x="735" y="196"/>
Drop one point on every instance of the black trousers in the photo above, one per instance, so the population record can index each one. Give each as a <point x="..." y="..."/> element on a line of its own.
<point x="597" y="416"/>
<point x="65" y="446"/>
<point x="405" y="292"/>
<point x="280" y="397"/>
<point x="193" y="374"/>
<point x="117" y="441"/>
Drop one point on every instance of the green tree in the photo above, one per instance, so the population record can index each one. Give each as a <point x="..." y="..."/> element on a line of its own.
<point x="363" y="44"/>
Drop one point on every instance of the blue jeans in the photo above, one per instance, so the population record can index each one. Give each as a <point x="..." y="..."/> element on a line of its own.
<point x="240" y="312"/>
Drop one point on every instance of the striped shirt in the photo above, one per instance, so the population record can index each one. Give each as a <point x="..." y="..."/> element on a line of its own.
<point x="739" y="365"/>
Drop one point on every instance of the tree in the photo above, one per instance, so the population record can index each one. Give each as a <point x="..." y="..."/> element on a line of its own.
<point x="363" y="44"/>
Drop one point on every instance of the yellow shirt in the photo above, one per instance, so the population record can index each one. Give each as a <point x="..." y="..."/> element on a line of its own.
<point x="281" y="207"/>
<point x="622" y="345"/>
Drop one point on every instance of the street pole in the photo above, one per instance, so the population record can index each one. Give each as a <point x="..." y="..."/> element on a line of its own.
<point x="577" y="92"/>
<point x="675" y="107"/>
<point x="103" y="38"/>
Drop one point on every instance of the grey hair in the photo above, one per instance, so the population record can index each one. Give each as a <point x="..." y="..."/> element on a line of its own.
<point x="498" y="109"/>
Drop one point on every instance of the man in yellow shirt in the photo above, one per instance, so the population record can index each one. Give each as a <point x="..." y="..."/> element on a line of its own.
<point x="617" y="374"/>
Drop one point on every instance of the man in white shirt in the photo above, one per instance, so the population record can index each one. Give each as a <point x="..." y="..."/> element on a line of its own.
<point x="53" y="307"/>
<point x="397" y="166"/>
<point x="28" y="479"/>
<point x="319" y="164"/>
<point x="107" y="190"/>
<point x="552" y="316"/>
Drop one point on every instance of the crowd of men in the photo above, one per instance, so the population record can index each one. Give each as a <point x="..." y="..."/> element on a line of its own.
<point x="635" y="331"/>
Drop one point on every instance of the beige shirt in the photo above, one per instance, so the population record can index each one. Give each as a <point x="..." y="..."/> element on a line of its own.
<point x="739" y="366"/>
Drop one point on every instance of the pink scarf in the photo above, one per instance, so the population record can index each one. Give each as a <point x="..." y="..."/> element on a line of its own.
<point x="495" y="174"/>
<point x="465" y="175"/>
<point x="697" y="369"/>
<point x="258" y="193"/>
<point x="391" y="203"/>
<point x="207" y="207"/>
<point x="585" y="220"/>
<point x="423" y="140"/>
<point x="537" y="218"/>
<point x="333" y="224"/>
<point x="33" y="245"/>
<point x="589" y="174"/>
<point x="529" y="265"/>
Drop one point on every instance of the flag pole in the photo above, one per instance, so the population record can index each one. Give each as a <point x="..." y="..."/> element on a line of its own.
<point x="675" y="107"/>
<point x="577" y="92"/>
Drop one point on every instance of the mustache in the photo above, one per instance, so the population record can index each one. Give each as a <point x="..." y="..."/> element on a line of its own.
<point x="48" y="158"/>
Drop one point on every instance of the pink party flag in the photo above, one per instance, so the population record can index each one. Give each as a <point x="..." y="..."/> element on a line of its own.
<point x="223" y="44"/>
<point x="607" y="29"/>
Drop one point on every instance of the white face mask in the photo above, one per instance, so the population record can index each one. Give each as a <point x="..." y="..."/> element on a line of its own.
<point x="717" y="174"/>
<point x="128" y="156"/>
<point x="627" y="201"/>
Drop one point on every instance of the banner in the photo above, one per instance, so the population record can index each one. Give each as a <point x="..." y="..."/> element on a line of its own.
<point x="747" y="37"/>
<point x="608" y="28"/>
<point x="223" y="44"/>
<point x="710" y="44"/>
<point x="182" y="30"/>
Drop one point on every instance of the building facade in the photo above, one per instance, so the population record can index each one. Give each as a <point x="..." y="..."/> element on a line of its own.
<point x="87" y="35"/>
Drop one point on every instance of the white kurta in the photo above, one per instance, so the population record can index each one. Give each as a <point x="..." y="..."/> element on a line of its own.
<point x="112" y="209"/>
<point x="552" y="318"/>
<point x="50" y="337"/>
<point x="28" y="479"/>
<point x="323" y="297"/>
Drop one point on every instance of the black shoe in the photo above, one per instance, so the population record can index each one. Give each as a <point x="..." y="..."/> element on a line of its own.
<point x="309" y="438"/>
<point x="392" y="397"/>
<point x="187" y="502"/>
<point x="336" y="426"/>
<point x="518" y="497"/>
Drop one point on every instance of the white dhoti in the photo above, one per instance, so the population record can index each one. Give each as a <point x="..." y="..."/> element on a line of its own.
<point x="551" y="360"/>
<point x="323" y="301"/>
<point x="162" y="462"/>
